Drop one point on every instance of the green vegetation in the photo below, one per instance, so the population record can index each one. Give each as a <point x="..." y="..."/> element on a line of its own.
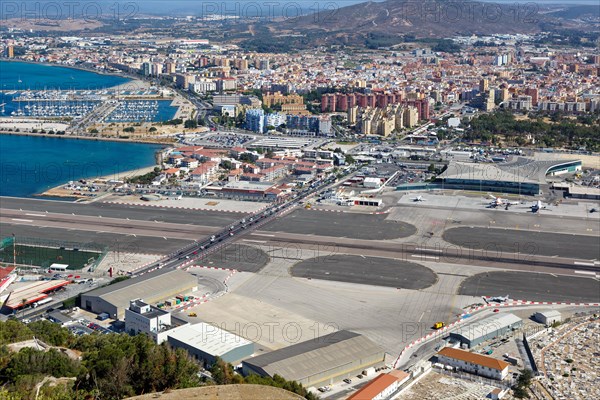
<point x="563" y="133"/>
<point x="45" y="256"/>
<point x="523" y="382"/>
<point x="111" y="366"/>
<point x="223" y="374"/>
<point x="446" y="46"/>
<point x="176" y="121"/>
<point x="190" y="124"/>
<point x="349" y="159"/>
<point x="145" y="179"/>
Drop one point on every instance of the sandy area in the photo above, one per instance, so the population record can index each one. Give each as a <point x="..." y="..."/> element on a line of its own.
<point x="123" y="262"/>
<point x="223" y="392"/>
<point x="29" y="124"/>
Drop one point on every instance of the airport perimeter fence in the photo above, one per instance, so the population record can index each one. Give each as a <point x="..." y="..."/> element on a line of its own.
<point x="38" y="252"/>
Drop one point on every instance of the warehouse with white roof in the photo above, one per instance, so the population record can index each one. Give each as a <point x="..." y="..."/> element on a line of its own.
<point x="477" y="332"/>
<point x="205" y="342"/>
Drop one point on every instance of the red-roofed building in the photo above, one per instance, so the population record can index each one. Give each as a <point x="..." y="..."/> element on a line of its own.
<point x="381" y="387"/>
<point x="474" y="363"/>
<point x="249" y="177"/>
<point x="171" y="172"/>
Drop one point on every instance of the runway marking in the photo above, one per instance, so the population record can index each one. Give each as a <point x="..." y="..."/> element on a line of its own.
<point x="22" y="220"/>
<point x="585" y="272"/>
<point x="36" y="215"/>
<point x="262" y="234"/>
<point x="433" y="250"/>
<point x="418" y="256"/>
<point x="585" y="264"/>
<point x="254" y="241"/>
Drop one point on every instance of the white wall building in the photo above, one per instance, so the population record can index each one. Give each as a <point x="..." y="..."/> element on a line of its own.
<point x="144" y="318"/>
<point x="547" y="317"/>
<point x="474" y="363"/>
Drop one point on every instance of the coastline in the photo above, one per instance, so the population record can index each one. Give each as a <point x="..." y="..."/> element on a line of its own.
<point x="99" y="139"/>
<point x="60" y="192"/>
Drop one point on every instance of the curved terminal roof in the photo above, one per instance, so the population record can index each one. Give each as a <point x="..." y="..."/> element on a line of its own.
<point x="523" y="170"/>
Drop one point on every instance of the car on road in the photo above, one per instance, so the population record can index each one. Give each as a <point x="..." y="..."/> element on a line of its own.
<point x="496" y="310"/>
<point x="348" y="380"/>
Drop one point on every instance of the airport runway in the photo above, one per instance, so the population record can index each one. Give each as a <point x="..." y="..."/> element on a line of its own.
<point x="526" y="242"/>
<point x="118" y="243"/>
<point x="342" y="225"/>
<point x="177" y="216"/>
<point x="237" y="256"/>
<point x="366" y="270"/>
<point x="534" y="287"/>
<point x="104" y="224"/>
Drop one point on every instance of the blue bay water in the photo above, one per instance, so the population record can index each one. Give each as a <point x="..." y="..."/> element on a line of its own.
<point x="16" y="75"/>
<point x="30" y="165"/>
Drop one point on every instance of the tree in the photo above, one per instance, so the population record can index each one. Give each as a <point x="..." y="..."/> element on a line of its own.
<point x="349" y="159"/>
<point x="190" y="124"/>
<point x="226" y="164"/>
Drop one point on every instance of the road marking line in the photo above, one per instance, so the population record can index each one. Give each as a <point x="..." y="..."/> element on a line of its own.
<point x="433" y="250"/>
<point x="585" y="272"/>
<point x="418" y="256"/>
<point x="22" y="220"/>
<point x="585" y="264"/>
<point x="36" y="215"/>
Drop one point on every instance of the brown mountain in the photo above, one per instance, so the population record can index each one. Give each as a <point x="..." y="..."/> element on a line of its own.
<point x="429" y="18"/>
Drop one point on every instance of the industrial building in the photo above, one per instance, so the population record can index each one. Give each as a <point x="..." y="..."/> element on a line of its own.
<point x="477" y="332"/>
<point x="153" y="287"/>
<point x="382" y="387"/>
<point x="523" y="176"/>
<point x="141" y="317"/>
<point x="319" y="361"/>
<point x="206" y="342"/>
<point x="474" y="363"/>
<point x="547" y="317"/>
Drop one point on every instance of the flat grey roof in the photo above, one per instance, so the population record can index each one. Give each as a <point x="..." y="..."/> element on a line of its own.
<point x="478" y="329"/>
<point x="150" y="284"/>
<point x="312" y="357"/>
<point x="523" y="170"/>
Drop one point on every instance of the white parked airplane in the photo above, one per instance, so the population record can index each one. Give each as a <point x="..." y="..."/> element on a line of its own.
<point x="418" y="198"/>
<point x="498" y="299"/>
<point x="498" y="201"/>
<point x="538" y="206"/>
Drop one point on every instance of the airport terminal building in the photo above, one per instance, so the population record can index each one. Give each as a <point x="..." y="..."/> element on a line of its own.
<point x="497" y="325"/>
<point x="152" y="287"/>
<point x="319" y="361"/>
<point x="523" y="176"/>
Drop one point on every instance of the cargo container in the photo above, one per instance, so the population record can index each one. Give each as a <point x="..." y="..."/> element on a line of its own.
<point x="103" y="316"/>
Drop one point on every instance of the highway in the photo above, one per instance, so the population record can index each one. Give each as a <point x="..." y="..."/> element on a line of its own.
<point x="207" y="245"/>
